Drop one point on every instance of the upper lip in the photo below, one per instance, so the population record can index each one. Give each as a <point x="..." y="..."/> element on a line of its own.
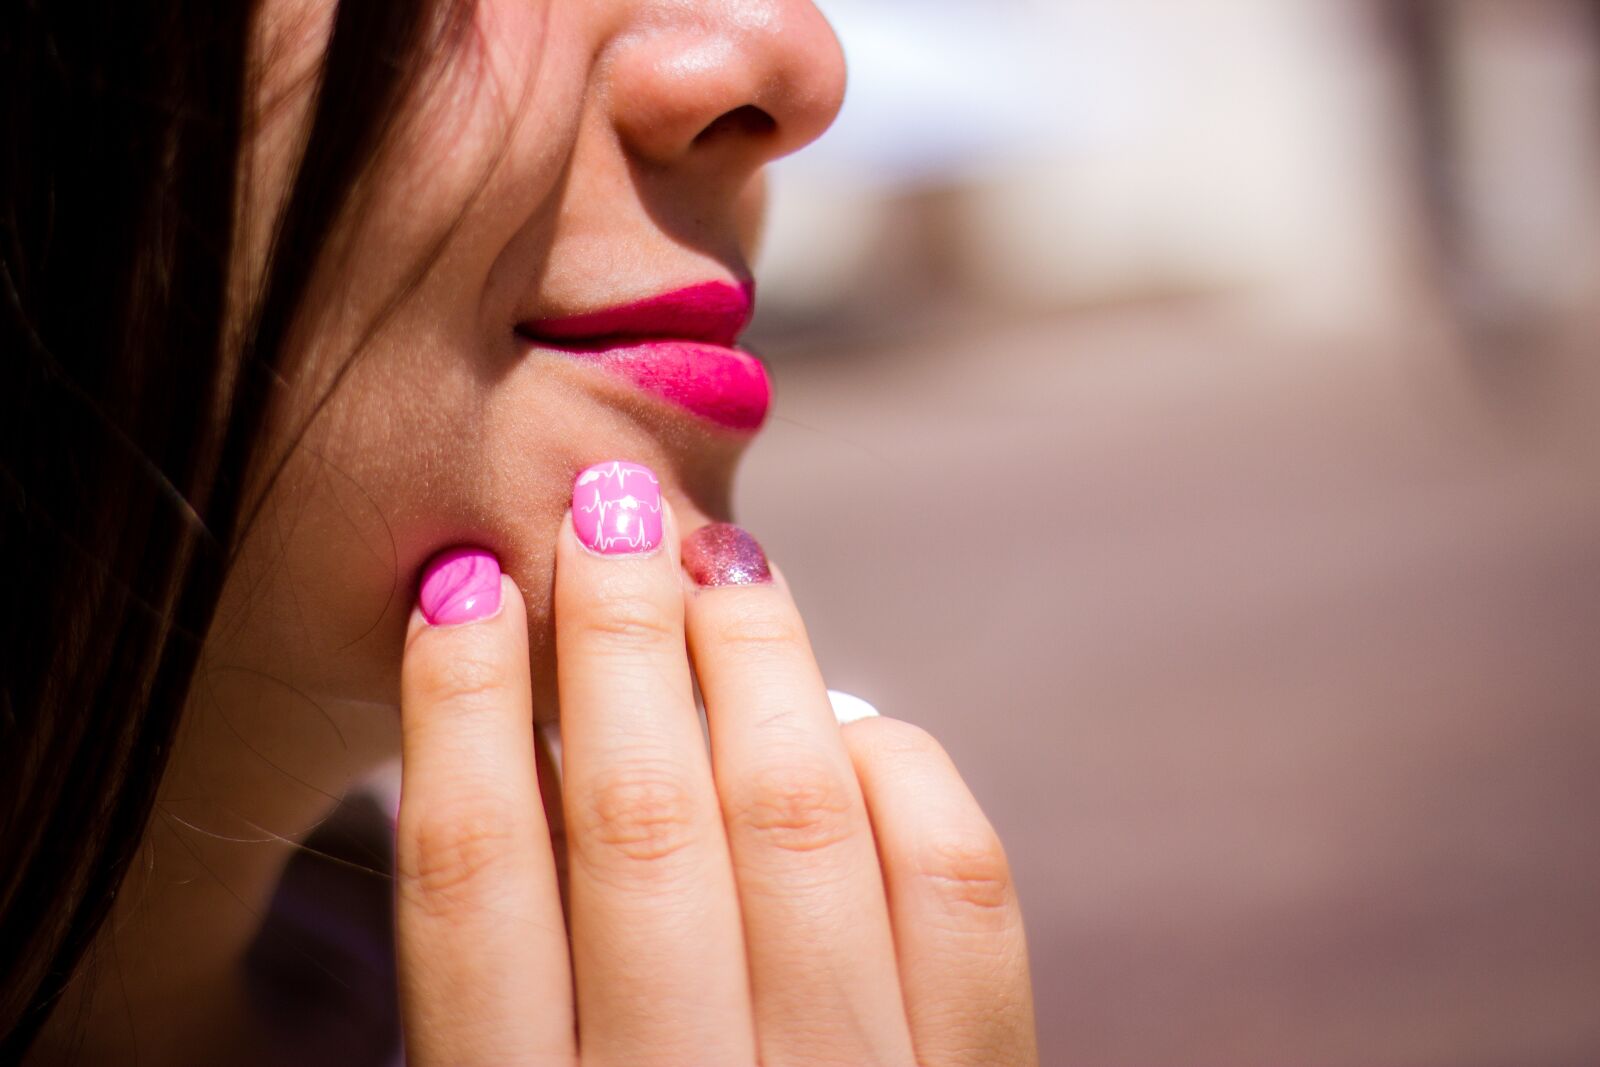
<point x="714" y="312"/>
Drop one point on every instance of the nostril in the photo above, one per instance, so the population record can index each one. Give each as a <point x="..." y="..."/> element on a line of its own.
<point x="746" y="121"/>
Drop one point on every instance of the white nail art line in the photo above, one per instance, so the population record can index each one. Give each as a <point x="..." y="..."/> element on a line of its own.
<point x="603" y="543"/>
<point x="848" y="708"/>
<point x="614" y="471"/>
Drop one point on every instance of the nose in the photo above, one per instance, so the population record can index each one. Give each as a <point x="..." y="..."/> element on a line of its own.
<point x="731" y="83"/>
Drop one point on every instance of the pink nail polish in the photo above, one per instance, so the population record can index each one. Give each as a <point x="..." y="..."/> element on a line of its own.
<point x="723" y="554"/>
<point x="616" y="508"/>
<point x="460" y="585"/>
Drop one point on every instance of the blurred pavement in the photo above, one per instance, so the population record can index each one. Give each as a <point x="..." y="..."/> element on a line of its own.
<point x="1274" y="661"/>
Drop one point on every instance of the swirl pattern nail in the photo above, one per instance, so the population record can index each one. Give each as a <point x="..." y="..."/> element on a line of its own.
<point x="460" y="585"/>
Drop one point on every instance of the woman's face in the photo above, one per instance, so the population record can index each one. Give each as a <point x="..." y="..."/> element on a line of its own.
<point x="572" y="157"/>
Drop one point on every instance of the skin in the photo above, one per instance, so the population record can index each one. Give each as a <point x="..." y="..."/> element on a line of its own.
<point x="801" y="893"/>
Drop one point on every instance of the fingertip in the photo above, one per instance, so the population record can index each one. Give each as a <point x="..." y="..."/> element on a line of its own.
<point x="511" y="605"/>
<point x="672" y="534"/>
<point x="472" y="663"/>
<point x="779" y="579"/>
<point x="416" y="625"/>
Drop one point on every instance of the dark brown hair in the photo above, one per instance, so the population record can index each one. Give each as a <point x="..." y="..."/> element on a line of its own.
<point x="130" y="412"/>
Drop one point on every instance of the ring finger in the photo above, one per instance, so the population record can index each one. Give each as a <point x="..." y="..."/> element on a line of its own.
<point x="822" y="962"/>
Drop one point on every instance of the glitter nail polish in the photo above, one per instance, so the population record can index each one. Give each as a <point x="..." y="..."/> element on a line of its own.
<point x="724" y="554"/>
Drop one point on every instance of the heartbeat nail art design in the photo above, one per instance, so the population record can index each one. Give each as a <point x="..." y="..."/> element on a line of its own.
<point x="616" y="508"/>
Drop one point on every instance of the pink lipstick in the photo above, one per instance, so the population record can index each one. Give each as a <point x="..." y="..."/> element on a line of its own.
<point x="677" y="346"/>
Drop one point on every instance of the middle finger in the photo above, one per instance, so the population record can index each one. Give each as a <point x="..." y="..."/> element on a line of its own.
<point x="657" y="950"/>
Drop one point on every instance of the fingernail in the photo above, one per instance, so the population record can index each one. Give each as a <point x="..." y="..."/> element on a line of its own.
<point x="616" y="508"/>
<point x="723" y="554"/>
<point x="848" y="708"/>
<point x="460" y="585"/>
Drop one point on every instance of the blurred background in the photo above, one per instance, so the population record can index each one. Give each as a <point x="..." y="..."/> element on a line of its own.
<point x="1189" y="411"/>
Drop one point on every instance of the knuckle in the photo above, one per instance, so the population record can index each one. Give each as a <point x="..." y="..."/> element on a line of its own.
<point x="637" y="815"/>
<point x="467" y="679"/>
<point x="994" y="1027"/>
<point x="899" y="739"/>
<point x="629" y="622"/>
<point x="760" y="632"/>
<point x="448" y="856"/>
<point x="967" y="874"/>
<point x="797" y="808"/>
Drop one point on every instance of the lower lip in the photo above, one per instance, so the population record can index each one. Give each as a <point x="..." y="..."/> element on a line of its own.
<point x="719" y="384"/>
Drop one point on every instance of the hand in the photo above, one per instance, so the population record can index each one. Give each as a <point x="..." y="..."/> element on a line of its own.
<point x="804" y="893"/>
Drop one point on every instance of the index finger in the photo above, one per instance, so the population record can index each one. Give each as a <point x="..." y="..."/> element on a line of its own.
<point x="484" y="973"/>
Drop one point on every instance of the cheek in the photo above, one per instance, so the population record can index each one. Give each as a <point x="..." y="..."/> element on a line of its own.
<point x="510" y="80"/>
<point x="416" y="453"/>
<point x="405" y="436"/>
<point x="478" y="150"/>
